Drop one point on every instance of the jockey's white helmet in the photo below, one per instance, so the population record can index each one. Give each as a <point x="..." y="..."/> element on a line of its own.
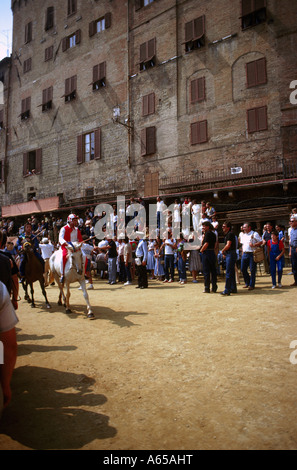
<point x="71" y="217"/>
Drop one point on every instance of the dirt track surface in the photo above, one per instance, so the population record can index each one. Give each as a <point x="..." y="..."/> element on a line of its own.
<point x="164" y="368"/>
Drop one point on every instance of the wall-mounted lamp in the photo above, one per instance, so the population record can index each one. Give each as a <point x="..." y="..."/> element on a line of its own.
<point x="116" y="118"/>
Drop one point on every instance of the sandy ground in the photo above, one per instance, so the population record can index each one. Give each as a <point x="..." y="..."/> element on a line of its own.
<point x="167" y="367"/>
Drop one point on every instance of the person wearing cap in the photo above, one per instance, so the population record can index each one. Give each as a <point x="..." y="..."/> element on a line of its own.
<point x="208" y="257"/>
<point x="293" y="247"/>
<point x="68" y="234"/>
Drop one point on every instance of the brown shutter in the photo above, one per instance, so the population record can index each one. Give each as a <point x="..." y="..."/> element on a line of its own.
<point x="138" y="4"/>
<point x="145" y="105"/>
<point x="143" y="52"/>
<point x="189" y="31"/>
<point x="197" y="90"/>
<point x="246" y="7"/>
<point x="67" y="86"/>
<point x="102" y="70"/>
<point x="80" y="155"/>
<point x="28" y="32"/>
<point x="50" y="94"/>
<point x="151" y="49"/>
<point x="259" y="4"/>
<point x="73" y="84"/>
<point x="64" y="44"/>
<point x="28" y="103"/>
<point x="95" y="73"/>
<point x="107" y="20"/>
<point x="49" y="18"/>
<point x="194" y="133"/>
<point x="203" y="132"/>
<point x="198" y="28"/>
<point x="251" y="74"/>
<point x="151" y="103"/>
<point x="92" y="28"/>
<point x="23" y="109"/>
<point x="77" y="36"/>
<point x="143" y="142"/>
<point x="38" y="161"/>
<point x="262" y="118"/>
<point x="261" y="71"/>
<point x="252" y="120"/>
<point x="25" y="163"/>
<point x="150" y="140"/>
<point x="44" y="96"/>
<point x="97" y="144"/>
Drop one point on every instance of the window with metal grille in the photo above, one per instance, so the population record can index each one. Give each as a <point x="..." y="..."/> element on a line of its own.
<point x="256" y="72"/>
<point x="257" y="119"/>
<point x="253" y="12"/>
<point x="195" y="34"/>
<point x="148" y="140"/>
<point x="199" y="132"/>
<point x="147" y="54"/>
<point x="89" y="146"/>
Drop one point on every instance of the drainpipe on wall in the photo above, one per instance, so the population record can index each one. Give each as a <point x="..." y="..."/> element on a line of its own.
<point x="128" y="84"/>
<point x="7" y="131"/>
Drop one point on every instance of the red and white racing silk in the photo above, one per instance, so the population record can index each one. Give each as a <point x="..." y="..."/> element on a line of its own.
<point x="68" y="234"/>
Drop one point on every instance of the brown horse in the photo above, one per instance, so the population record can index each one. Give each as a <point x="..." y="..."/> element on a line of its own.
<point x="33" y="273"/>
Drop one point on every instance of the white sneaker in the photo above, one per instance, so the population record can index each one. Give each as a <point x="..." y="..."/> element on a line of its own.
<point x="90" y="287"/>
<point x="80" y="288"/>
<point x="280" y="285"/>
<point x="128" y="283"/>
<point x="273" y="287"/>
<point x="170" y="280"/>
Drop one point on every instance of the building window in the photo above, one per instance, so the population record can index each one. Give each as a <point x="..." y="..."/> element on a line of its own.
<point x="89" y="146"/>
<point x="99" y="76"/>
<point x="71" y="7"/>
<point x="142" y="3"/>
<point x="253" y="12"/>
<point x="197" y="90"/>
<point x="71" y="41"/>
<point x="48" y="53"/>
<point x="148" y="54"/>
<point x="148" y="141"/>
<point x="148" y="104"/>
<point x="257" y="119"/>
<point x="26" y="105"/>
<point x="32" y="162"/>
<point x="256" y="73"/>
<point x="89" y="192"/>
<point x="47" y="98"/>
<point x="195" y="34"/>
<point x="99" y="25"/>
<point x="28" y="32"/>
<point x="49" y="21"/>
<point x="27" y="65"/>
<point x="199" y="132"/>
<point x="70" y="89"/>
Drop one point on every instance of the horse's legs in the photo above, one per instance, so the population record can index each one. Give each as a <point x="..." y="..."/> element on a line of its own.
<point x="25" y="287"/>
<point x="86" y="296"/>
<point x="32" y="295"/>
<point x="68" y="310"/>
<point x="42" y="285"/>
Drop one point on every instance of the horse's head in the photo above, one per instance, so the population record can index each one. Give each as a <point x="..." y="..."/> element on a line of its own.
<point x="73" y="247"/>
<point x="27" y="247"/>
<point x="75" y="256"/>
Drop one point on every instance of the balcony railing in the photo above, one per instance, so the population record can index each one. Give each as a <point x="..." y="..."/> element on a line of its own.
<point x="249" y="175"/>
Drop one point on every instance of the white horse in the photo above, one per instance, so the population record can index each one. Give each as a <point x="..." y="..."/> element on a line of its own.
<point x="74" y="272"/>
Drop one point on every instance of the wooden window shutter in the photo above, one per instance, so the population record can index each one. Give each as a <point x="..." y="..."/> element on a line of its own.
<point x="25" y="163"/>
<point x="203" y="132"/>
<point x="102" y="70"/>
<point x="259" y="4"/>
<point x="151" y="49"/>
<point x="151" y="103"/>
<point x="92" y="28"/>
<point x="28" y="103"/>
<point x="246" y="7"/>
<point x="189" y="31"/>
<point x="67" y="86"/>
<point x="143" y="52"/>
<point x="151" y="140"/>
<point x="38" y="161"/>
<point x="47" y="95"/>
<point x="138" y="4"/>
<point x="48" y="53"/>
<point x="77" y="36"/>
<point x="252" y="120"/>
<point x="28" y="32"/>
<point x="95" y="73"/>
<point x="44" y="96"/>
<point x="198" y="27"/>
<point x="145" y="105"/>
<point x="199" y="132"/>
<point x="262" y="118"/>
<point x="251" y="74"/>
<point x="80" y="155"/>
<point x="97" y="144"/>
<point x="73" y="84"/>
<point x="49" y="18"/>
<point x="261" y="71"/>
<point x="143" y="142"/>
<point x="197" y="90"/>
<point x="194" y="133"/>
<point x="64" y="44"/>
<point x="107" y="20"/>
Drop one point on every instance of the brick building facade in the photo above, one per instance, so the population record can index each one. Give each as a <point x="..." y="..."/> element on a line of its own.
<point x="139" y="98"/>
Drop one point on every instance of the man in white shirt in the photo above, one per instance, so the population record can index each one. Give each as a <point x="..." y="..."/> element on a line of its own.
<point x="169" y="246"/>
<point x="249" y="240"/>
<point x="47" y="249"/>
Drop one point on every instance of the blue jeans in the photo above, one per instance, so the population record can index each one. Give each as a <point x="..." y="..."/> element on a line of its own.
<point x="169" y="266"/>
<point x="230" y="284"/>
<point x="247" y="261"/>
<point x="112" y="269"/>
<point x="181" y="266"/>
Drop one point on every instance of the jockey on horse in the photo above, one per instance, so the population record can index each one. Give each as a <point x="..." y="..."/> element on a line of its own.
<point x="32" y="239"/>
<point x="68" y="234"/>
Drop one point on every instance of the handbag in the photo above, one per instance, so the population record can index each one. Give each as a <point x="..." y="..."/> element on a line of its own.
<point x="258" y="254"/>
